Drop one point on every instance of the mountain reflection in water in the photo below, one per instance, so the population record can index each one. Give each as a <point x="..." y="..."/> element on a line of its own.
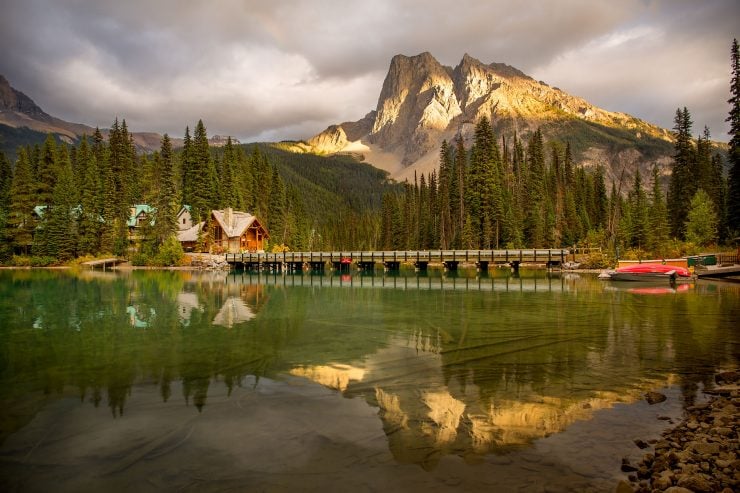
<point x="442" y="366"/>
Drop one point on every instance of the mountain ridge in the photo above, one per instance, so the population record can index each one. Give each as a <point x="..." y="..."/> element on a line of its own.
<point x="18" y="111"/>
<point x="423" y="102"/>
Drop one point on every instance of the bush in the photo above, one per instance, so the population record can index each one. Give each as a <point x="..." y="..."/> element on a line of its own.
<point x="635" y="254"/>
<point x="33" y="261"/>
<point x="44" y="261"/>
<point x="597" y="260"/>
<point x="170" y="253"/>
<point x="140" y="259"/>
<point x="20" y="261"/>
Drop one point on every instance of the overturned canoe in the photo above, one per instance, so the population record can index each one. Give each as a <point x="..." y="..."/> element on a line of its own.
<point x="647" y="272"/>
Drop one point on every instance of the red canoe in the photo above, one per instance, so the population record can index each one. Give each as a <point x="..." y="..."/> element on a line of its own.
<point x="648" y="272"/>
<point x="655" y="269"/>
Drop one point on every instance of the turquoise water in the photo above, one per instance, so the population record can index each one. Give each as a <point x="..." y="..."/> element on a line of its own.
<point x="180" y="380"/>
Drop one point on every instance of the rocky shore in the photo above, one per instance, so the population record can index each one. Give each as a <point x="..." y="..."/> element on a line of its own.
<point x="701" y="454"/>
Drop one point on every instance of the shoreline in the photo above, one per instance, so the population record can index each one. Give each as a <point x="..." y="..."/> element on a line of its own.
<point x="700" y="454"/>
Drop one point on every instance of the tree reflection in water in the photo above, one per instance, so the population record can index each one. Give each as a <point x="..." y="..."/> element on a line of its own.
<point x="458" y="365"/>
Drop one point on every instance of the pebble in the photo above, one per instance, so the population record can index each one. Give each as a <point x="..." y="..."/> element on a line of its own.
<point x="700" y="454"/>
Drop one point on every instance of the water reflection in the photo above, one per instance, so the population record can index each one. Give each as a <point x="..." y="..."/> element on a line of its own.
<point x="462" y="365"/>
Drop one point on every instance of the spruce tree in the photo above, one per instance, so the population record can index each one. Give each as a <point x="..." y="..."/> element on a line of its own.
<point x="445" y="180"/>
<point x="204" y="194"/>
<point x="483" y="199"/>
<point x="243" y="177"/>
<point x="61" y="226"/>
<point x="457" y="192"/>
<point x="639" y="234"/>
<point x="45" y="174"/>
<point x="659" y="226"/>
<point x="230" y="192"/>
<point x="600" y="206"/>
<point x="91" y="192"/>
<point x="165" y="203"/>
<point x="733" y="185"/>
<point x="682" y="185"/>
<point x="277" y="207"/>
<point x="21" y="222"/>
<point x="6" y="181"/>
<point x="187" y="169"/>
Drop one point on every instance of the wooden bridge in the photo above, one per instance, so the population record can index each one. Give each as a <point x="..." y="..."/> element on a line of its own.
<point x="391" y="260"/>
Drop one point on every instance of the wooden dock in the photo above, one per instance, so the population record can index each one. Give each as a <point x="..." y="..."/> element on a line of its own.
<point x="391" y="260"/>
<point x="728" y="272"/>
<point x="102" y="263"/>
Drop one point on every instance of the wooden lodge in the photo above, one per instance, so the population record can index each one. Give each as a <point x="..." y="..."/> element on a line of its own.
<point x="230" y="231"/>
<point x="235" y="232"/>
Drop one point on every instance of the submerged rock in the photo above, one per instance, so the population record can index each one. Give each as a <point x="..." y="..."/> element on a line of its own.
<point x="654" y="397"/>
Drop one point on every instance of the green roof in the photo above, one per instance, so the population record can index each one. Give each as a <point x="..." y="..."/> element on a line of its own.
<point x="137" y="210"/>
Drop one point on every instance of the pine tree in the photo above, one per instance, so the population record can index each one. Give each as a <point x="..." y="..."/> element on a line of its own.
<point x="21" y="222"/>
<point x="277" y="208"/>
<point x="534" y="191"/>
<point x="639" y="234"/>
<point x="120" y="185"/>
<point x="659" y="226"/>
<point x="483" y="200"/>
<point x="166" y="204"/>
<point x="243" y="176"/>
<point x="45" y="173"/>
<point x="682" y="184"/>
<point x="733" y="185"/>
<point x="387" y="215"/>
<point x="61" y="227"/>
<point x="230" y="192"/>
<point x="6" y="181"/>
<point x="600" y="208"/>
<point x="444" y="196"/>
<point x="187" y="169"/>
<point x="204" y="194"/>
<point x="457" y="192"/>
<point x="90" y="191"/>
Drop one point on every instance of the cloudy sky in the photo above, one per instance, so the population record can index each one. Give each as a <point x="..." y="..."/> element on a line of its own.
<point x="272" y="70"/>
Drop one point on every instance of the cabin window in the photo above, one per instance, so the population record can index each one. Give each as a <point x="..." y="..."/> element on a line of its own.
<point x="183" y="220"/>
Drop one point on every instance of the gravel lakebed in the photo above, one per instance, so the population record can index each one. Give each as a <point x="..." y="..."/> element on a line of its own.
<point x="700" y="454"/>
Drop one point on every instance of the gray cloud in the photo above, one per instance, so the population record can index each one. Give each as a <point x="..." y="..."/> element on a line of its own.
<point x="282" y="69"/>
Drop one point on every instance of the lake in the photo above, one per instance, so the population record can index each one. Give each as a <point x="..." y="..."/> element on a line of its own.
<point x="206" y="381"/>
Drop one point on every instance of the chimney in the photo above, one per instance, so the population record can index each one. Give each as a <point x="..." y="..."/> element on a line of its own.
<point x="229" y="217"/>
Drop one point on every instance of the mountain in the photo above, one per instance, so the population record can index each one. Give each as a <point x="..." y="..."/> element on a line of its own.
<point x="423" y="102"/>
<point x="19" y="111"/>
<point x="23" y="122"/>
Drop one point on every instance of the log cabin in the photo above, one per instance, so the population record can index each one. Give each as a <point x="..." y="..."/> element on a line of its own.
<point x="230" y="231"/>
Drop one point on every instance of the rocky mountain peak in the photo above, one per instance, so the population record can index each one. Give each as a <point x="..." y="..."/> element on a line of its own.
<point x="417" y="98"/>
<point x="14" y="100"/>
<point x="423" y="102"/>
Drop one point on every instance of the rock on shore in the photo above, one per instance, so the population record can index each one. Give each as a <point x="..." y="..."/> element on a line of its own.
<point x="698" y="455"/>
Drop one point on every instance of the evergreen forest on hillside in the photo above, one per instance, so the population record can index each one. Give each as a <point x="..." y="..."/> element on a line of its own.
<point x="59" y="201"/>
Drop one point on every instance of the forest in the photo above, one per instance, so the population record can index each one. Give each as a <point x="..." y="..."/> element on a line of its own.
<point x="59" y="202"/>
